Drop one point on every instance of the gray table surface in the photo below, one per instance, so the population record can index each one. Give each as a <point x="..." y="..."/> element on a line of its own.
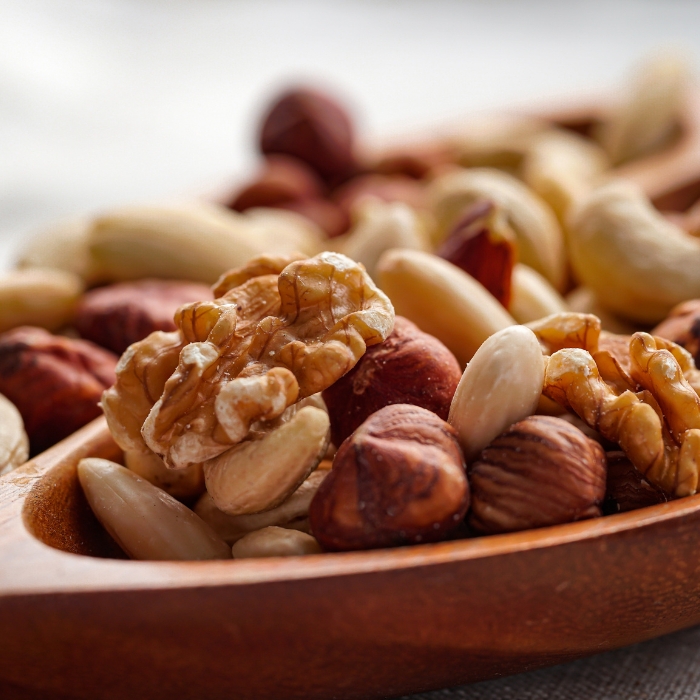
<point x="107" y="102"/>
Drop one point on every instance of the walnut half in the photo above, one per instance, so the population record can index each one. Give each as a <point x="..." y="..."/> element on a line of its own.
<point x="279" y="330"/>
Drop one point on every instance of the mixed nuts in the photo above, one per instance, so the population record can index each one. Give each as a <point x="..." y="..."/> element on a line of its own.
<point x="361" y="350"/>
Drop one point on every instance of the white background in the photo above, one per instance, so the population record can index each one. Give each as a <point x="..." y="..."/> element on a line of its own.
<point x="105" y="102"/>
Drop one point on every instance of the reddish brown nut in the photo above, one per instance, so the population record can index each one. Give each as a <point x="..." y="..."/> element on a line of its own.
<point x="626" y="488"/>
<point x="408" y="367"/>
<point x="282" y="179"/>
<point x="481" y="247"/>
<point x="311" y="126"/>
<point x="327" y="215"/>
<point x="55" y="382"/>
<point x="682" y="326"/>
<point x="541" y="471"/>
<point x="417" y="162"/>
<point x="397" y="188"/>
<point x="121" y="314"/>
<point x="399" y="479"/>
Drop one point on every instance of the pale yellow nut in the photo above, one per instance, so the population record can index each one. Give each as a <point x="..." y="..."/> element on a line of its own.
<point x="38" y="297"/>
<point x="258" y="475"/>
<point x="285" y="230"/>
<point x="275" y="542"/>
<point x="179" y="483"/>
<point x="196" y="242"/>
<point x="441" y="299"/>
<point x="532" y="297"/>
<point x="14" y="443"/>
<point x="496" y="140"/>
<point x="381" y="226"/>
<point x="561" y="167"/>
<point x="500" y="386"/>
<point x="64" y="246"/>
<point x="539" y="237"/>
<point x="637" y="263"/>
<point x="292" y="513"/>
<point x="649" y="114"/>
<point x="145" y="521"/>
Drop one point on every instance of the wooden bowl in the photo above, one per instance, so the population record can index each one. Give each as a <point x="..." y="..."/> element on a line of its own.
<point x="360" y="625"/>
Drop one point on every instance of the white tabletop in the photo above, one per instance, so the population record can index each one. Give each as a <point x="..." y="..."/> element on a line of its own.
<point x="105" y="102"/>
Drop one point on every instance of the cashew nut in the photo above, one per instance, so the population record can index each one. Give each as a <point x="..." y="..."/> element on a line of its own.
<point x="14" y="443"/>
<point x="648" y="116"/>
<point x="560" y="167"/>
<point x="258" y="475"/>
<point x="539" y="238"/>
<point x="637" y="263"/>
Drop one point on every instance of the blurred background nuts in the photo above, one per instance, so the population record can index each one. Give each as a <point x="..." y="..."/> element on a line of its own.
<point x="121" y="314"/>
<point x="541" y="471"/>
<point x="409" y="367"/>
<point x="682" y="326"/>
<point x="398" y="479"/>
<point x="313" y="127"/>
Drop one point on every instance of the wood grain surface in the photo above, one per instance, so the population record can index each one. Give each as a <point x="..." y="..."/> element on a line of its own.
<point x="358" y="625"/>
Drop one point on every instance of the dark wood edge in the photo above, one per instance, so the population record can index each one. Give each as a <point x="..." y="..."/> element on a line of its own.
<point x="30" y="566"/>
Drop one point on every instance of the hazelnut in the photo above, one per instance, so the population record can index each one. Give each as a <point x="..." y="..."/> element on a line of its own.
<point x="55" y="382"/>
<point x="541" y="471"/>
<point x="283" y="179"/>
<point x="311" y="126"/>
<point x="626" y="488"/>
<point x="417" y="161"/>
<point x="409" y="367"/>
<point x="396" y="188"/>
<point x="121" y="314"/>
<point x="481" y="244"/>
<point x="399" y="479"/>
<point x="682" y="326"/>
<point x="327" y="215"/>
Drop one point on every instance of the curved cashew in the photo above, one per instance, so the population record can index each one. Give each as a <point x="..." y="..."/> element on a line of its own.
<point x="500" y="386"/>
<point x="637" y="263"/>
<point x="583" y="300"/>
<point x="649" y="114"/>
<point x="532" y="297"/>
<point x="441" y="299"/>
<point x="540" y="240"/>
<point x="560" y="167"/>
<point x="258" y="475"/>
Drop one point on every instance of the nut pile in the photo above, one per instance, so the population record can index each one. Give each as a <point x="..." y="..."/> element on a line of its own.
<point x="362" y="349"/>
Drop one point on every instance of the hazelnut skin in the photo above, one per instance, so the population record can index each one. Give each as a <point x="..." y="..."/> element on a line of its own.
<point x="282" y="179"/>
<point x="408" y="367"/>
<point x="541" y="471"/>
<point x="56" y="383"/>
<point x="626" y="488"/>
<point x="311" y="126"/>
<point x="399" y="479"/>
<point x="121" y="314"/>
